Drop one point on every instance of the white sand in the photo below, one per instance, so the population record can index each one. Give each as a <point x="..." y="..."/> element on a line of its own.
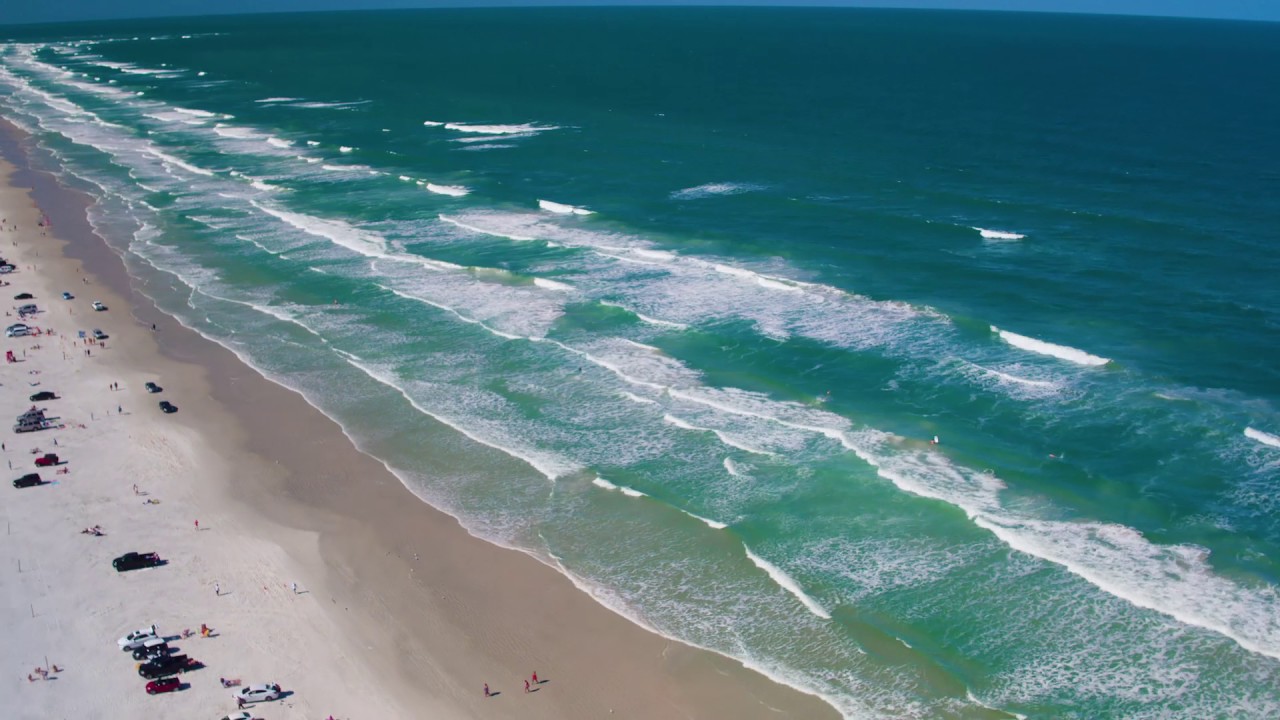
<point x="61" y="598"/>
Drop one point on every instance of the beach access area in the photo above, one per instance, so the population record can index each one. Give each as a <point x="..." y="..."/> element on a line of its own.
<point x="287" y="556"/>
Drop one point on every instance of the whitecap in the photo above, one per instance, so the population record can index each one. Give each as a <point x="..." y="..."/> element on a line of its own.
<point x="562" y="209"/>
<point x="998" y="234"/>
<point x="1263" y="437"/>
<point x="450" y="190"/>
<point x="1041" y="347"/>
<point x="787" y="583"/>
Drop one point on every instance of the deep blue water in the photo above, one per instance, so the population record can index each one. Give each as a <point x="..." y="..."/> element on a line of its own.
<point x="677" y="298"/>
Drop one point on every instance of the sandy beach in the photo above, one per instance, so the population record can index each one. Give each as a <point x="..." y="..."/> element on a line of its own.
<point x="312" y="564"/>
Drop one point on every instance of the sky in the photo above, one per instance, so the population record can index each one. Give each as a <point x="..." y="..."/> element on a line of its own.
<point x="33" y="11"/>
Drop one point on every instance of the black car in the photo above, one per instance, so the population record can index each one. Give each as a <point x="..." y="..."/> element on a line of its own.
<point x="24" y="296"/>
<point x="147" y="652"/>
<point x="44" y="395"/>
<point x="163" y="665"/>
<point x="30" y="480"/>
<point x="168" y="407"/>
<point x="134" y="561"/>
<point x="152" y="387"/>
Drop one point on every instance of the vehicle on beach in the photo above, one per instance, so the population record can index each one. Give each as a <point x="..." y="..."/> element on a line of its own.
<point x="17" y="330"/>
<point x="47" y="460"/>
<point x="153" y="647"/>
<point x="99" y="335"/>
<point x="29" y="425"/>
<point x="28" y="480"/>
<point x="99" y="306"/>
<point x="137" y="638"/>
<point x="28" y="309"/>
<point x="152" y="387"/>
<point x="164" y="665"/>
<point x="23" y="296"/>
<point x="163" y="685"/>
<point x="257" y="693"/>
<point x="136" y="561"/>
<point x="44" y="395"/>
<point x="242" y="715"/>
<point x="67" y="296"/>
<point x="168" y="407"/>
<point x="7" y="268"/>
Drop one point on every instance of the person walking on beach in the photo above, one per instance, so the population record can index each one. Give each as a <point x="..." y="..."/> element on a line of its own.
<point x="526" y="686"/>
<point x="535" y="677"/>
<point x="486" y="686"/>
<point x="197" y="525"/>
<point x="295" y="588"/>
<point x="217" y="589"/>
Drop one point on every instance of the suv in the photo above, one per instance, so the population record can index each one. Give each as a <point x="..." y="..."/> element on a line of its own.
<point x="47" y="460"/>
<point x="17" y="330"/>
<point x="99" y="306"/>
<point x="151" y="648"/>
<point x="28" y="480"/>
<point x="99" y="335"/>
<point x="152" y="387"/>
<point x="134" y="561"/>
<point x="44" y="395"/>
<point x="163" y="665"/>
<point x="168" y="407"/>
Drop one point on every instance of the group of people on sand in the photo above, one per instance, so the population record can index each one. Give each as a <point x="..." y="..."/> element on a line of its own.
<point x="528" y="685"/>
<point x="44" y="674"/>
<point x="96" y="531"/>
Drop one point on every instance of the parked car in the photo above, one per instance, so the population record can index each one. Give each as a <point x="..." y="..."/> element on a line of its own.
<point x="99" y="306"/>
<point x="242" y="715"/>
<point x="28" y="480"/>
<point x="23" y="296"/>
<point x="163" y="685"/>
<point x="47" y="460"/>
<point x="168" y="407"/>
<point x="67" y="296"/>
<point x="28" y="309"/>
<point x="152" y="387"/>
<point x="99" y="335"/>
<point x="257" y="693"/>
<point x="137" y="638"/>
<point x="17" y="330"/>
<point x="151" y="648"/>
<point x="44" y="395"/>
<point x="164" y="665"/>
<point x="7" y="268"/>
<point x="135" y="561"/>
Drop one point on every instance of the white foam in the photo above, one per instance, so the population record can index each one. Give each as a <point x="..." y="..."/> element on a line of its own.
<point x="637" y="399"/>
<point x="483" y="231"/>
<point x="731" y="467"/>
<point x="646" y="318"/>
<point x="630" y="492"/>
<point x="498" y="129"/>
<point x="710" y="189"/>
<point x="195" y="112"/>
<point x="236" y="133"/>
<point x="546" y="284"/>
<point x="406" y="178"/>
<point x="313" y="143"/>
<point x="345" y="149"/>
<point x="432" y="123"/>
<point x="713" y="524"/>
<point x="562" y="209"/>
<point x="724" y="437"/>
<point x="336" y="231"/>
<point x="279" y="142"/>
<point x="998" y="234"/>
<point x="450" y="190"/>
<point x="277" y="100"/>
<point x="1263" y="437"/>
<point x="1041" y="347"/>
<point x="787" y="583"/>
<point x="178" y="162"/>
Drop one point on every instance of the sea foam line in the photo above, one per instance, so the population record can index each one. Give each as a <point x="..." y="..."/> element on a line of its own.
<point x="562" y="209"/>
<point x="1041" y="347"/>
<point x="998" y="234"/>
<point x="1265" y="438"/>
<point x="786" y="582"/>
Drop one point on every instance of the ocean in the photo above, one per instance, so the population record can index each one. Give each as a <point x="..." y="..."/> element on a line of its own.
<point x="679" y="300"/>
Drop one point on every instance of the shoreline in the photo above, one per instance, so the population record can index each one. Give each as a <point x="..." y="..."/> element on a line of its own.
<point x="401" y="575"/>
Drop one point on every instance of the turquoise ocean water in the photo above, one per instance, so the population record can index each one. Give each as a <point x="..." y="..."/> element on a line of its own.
<point x="676" y="299"/>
